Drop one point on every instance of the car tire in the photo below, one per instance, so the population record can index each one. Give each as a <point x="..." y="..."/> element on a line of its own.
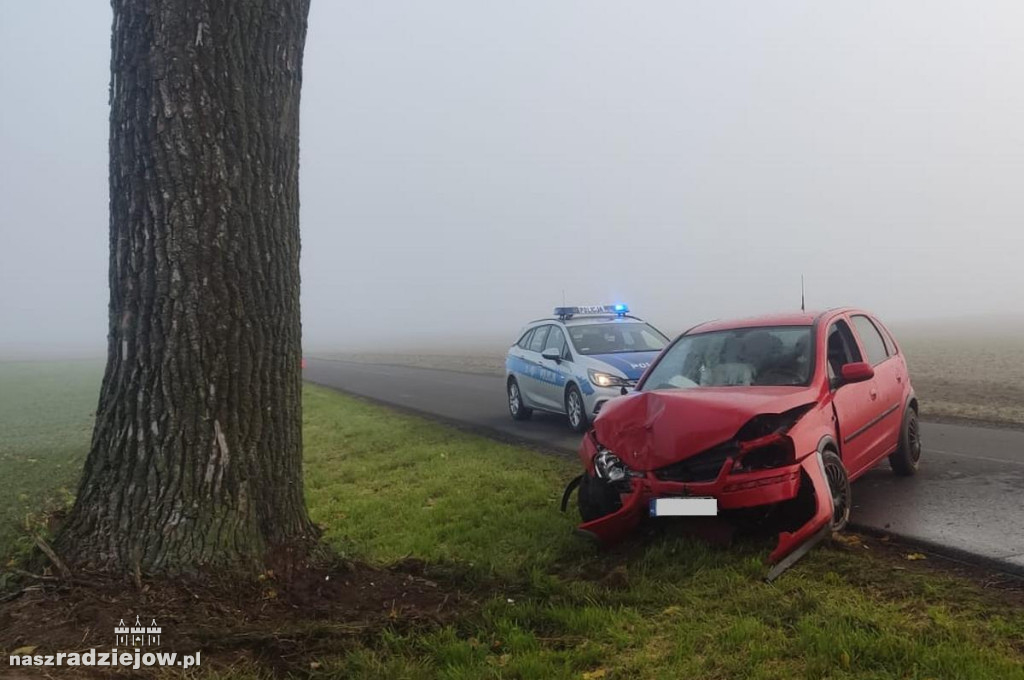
<point x="597" y="498"/>
<point x="839" y="484"/>
<point x="576" y="410"/>
<point x="516" y="407"/>
<point x="905" y="459"/>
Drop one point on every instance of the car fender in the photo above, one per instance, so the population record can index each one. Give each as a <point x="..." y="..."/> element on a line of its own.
<point x="828" y="441"/>
<point x="573" y="381"/>
<point x="587" y="451"/>
<point x="812" y="530"/>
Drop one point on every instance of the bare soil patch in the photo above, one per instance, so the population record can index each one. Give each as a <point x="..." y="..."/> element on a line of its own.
<point x="276" y="623"/>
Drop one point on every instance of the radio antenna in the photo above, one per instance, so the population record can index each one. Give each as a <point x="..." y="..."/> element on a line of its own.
<point x="802" y="293"/>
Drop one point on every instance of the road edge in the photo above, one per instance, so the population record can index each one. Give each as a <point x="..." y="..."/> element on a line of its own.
<point x="460" y="425"/>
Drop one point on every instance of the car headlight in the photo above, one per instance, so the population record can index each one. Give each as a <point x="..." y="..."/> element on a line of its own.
<point x="609" y="467"/>
<point x="771" y="423"/>
<point x="607" y="379"/>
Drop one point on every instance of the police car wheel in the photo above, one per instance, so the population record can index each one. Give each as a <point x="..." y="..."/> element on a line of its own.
<point x="516" y="408"/>
<point x="575" y="409"/>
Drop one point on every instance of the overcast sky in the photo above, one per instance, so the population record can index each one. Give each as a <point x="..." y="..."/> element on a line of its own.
<point x="464" y="163"/>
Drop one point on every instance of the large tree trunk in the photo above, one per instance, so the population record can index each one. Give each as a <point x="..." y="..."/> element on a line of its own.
<point x="196" y="456"/>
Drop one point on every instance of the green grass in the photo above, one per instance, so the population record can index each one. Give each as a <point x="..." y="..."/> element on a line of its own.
<point x="46" y="415"/>
<point x="386" y="486"/>
<point x="429" y="491"/>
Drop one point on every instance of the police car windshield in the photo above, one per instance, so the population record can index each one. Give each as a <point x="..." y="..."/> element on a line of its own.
<point x="615" y="338"/>
<point x="744" y="356"/>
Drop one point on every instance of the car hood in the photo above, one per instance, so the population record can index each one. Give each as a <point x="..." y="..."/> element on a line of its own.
<point x="631" y="364"/>
<point x="649" y="430"/>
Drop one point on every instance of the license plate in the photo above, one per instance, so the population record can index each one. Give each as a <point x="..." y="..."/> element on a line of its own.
<point x="692" y="506"/>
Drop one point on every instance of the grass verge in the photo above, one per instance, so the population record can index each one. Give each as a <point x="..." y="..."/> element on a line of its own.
<point x="388" y="487"/>
<point x="46" y="416"/>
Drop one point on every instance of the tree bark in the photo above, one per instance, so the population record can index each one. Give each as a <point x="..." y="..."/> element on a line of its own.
<point x="196" y="456"/>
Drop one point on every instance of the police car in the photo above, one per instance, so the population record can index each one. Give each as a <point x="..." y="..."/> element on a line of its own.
<point x="576" y="360"/>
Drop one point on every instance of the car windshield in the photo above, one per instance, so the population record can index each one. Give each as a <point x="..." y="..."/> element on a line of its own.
<point x="742" y="356"/>
<point x="615" y="338"/>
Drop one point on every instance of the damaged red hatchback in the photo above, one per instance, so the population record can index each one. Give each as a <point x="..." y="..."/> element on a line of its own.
<point x="774" y="415"/>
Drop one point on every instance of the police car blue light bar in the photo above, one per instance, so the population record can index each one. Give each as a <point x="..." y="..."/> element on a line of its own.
<point x="618" y="309"/>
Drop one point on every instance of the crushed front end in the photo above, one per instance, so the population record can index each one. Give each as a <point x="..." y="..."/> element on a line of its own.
<point x="643" y="454"/>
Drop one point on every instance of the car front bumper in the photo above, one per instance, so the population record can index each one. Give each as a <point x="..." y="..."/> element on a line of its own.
<point x="732" y="491"/>
<point x="598" y="397"/>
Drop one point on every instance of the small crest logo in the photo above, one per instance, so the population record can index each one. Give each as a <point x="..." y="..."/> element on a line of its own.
<point x="139" y="635"/>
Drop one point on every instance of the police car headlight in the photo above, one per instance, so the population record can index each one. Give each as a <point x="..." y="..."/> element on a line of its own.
<point x="606" y="379"/>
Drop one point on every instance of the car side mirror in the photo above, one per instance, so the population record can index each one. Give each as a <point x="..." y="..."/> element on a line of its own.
<point x="858" y="371"/>
<point x="553" y="354"/>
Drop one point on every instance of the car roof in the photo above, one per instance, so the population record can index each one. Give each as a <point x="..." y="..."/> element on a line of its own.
<point x="780" y="319"/>
<point x="587" y="319"/>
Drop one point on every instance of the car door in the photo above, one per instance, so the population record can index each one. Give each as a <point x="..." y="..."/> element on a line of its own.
<point x="518" y="360"/>
<point x="855" y="404"/>
<point x="888" y="383"/>
<point x="556" y="372"/>
<point x="530" y="384"/>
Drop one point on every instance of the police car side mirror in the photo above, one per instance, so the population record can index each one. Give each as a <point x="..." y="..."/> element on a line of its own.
<point x="553" y="354"/>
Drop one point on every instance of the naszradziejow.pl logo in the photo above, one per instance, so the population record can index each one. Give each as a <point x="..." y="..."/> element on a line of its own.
<point x="139" y="637"/>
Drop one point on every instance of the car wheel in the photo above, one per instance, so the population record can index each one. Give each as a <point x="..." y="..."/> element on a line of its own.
<point x="597" y="498"/>
<point x="516" y="408"/>
<point x="575" y="409"/>
<point x="905" y="458"/>
<point x="839" y="485"/>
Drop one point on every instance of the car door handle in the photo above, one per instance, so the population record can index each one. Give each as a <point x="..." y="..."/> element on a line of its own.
<point x="874" y="394"/>
<point x="899" y="378"/>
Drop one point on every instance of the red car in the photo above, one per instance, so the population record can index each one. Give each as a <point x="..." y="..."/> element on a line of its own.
<point x="773" y="415"/>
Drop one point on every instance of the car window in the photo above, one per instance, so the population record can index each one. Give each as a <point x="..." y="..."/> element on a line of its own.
<point x="540" y="334"/>
<point x="616" y="337"/>
<point x="873" y="343"/>
<point x="524" y="342"/>
<point x="841" y="348"/>
<point x="555" y="341"/>
<point x="890" y="344"/>
<point x="769" y="356"/>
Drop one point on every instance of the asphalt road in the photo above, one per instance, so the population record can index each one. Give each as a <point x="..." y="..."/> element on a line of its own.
<point x="966" y="500"/>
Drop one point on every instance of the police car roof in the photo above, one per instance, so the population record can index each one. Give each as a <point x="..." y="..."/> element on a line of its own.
<point x="583" y="319"/>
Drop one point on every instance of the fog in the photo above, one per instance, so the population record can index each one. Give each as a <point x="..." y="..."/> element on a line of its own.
<point x="467" y="165"/>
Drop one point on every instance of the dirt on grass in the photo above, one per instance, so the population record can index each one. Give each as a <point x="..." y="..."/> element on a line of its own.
<point x="609" y="568"/>
<point x="274" y="623"/>
<point x="1007" y="589"/>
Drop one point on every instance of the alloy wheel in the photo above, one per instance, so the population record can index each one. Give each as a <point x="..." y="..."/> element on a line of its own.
<point x="514" y="402"/>
<point x="575" y="409"/>
<point x="839" y="486"/>
<point x="914" y="439"/>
